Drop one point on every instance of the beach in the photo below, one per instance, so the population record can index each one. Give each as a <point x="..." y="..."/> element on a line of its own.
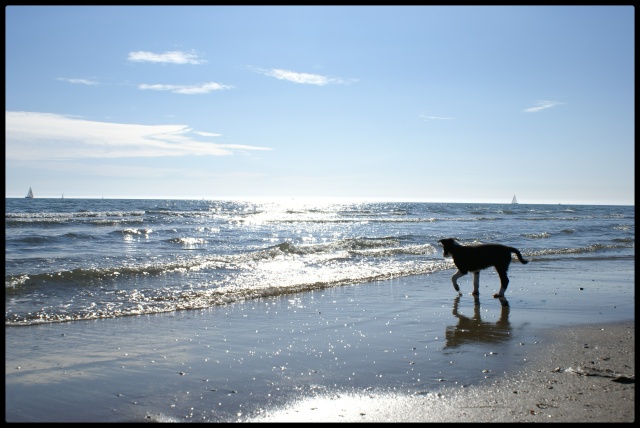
<point x="591" y="380"/>
<point x="404" y="349"/>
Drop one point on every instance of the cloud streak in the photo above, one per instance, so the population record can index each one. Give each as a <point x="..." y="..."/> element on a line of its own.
<point x="47" y="136"/>
<point x="78" y="81"/>
<point x="424" y="116"/>
<point x="173" y="57"/>
<point x="302" y="78"/>
<point x="542" y="105"/>
<point x="204" y="88"/>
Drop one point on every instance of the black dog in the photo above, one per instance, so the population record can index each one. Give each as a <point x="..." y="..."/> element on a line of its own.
<point x="474" y="258"/>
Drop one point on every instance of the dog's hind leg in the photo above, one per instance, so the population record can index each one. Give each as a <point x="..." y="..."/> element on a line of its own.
<point x="476" y="283"/>
<point x="454" y="279"/>
<point x="504" y="283"/>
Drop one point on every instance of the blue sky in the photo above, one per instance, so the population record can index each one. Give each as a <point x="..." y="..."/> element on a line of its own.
<point x="438" y="104"/>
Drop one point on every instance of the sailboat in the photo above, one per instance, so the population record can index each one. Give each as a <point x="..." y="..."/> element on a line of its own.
<point x="30" y="194"/>
<point x="514" y="200"/>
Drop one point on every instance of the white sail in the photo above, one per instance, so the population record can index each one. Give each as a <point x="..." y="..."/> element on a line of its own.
<point x="30" y="194"/>
<point x="514" y="200"/>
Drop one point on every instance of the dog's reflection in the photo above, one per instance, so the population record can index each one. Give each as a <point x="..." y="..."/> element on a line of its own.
<point x="474" y="330"/>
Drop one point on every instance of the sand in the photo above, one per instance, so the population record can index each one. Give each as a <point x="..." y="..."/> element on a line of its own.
<point x="590" y="380"/>
<point x="407" y="349"/>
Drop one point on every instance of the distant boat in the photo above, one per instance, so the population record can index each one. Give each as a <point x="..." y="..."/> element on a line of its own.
<point x="62" y="196"/>
<point x="30" y="194"/>
<point x="514" y="200"/>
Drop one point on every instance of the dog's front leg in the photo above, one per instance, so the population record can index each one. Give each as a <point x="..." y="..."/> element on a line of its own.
<point x="454" y="279"/>
<point x="476" y="283"/>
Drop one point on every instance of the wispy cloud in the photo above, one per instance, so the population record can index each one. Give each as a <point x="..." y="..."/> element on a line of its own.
<point x="173" y="57"/>
<point x="78" y="81"/>
<point x="204" y="88"/>
<point x="47" y="136"/>
<point x="304" y="78"/>
<point x="208" y="134"/>
<point x="542" y="105"/>
<point x="424" y="116"/>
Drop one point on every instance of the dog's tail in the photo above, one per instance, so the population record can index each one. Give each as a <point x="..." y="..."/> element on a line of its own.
<point x="515" y="250"/>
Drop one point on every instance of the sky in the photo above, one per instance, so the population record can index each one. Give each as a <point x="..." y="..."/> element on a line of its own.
<point x="379" y="103"/>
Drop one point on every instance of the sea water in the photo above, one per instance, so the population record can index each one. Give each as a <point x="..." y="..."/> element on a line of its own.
<point x="82" y="259"/>
<point x="175" y="310"/>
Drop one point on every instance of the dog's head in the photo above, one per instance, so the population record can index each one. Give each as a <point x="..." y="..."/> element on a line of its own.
<point x="447" y="245"/>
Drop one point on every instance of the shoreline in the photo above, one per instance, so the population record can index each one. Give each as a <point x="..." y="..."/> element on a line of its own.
<point x="387" y="348"/>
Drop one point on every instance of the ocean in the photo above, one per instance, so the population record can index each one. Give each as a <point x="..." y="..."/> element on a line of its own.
<point x="83" y="259"/>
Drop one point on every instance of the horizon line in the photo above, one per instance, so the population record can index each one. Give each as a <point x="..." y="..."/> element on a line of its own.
<point x="337" y="199"/>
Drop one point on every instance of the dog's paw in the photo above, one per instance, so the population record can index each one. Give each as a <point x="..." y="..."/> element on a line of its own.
<point x="497" y="296"/>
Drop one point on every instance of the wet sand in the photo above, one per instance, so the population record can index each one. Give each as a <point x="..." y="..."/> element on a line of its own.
<point x="406" y="349"/>
<point x="585" y="374"/>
